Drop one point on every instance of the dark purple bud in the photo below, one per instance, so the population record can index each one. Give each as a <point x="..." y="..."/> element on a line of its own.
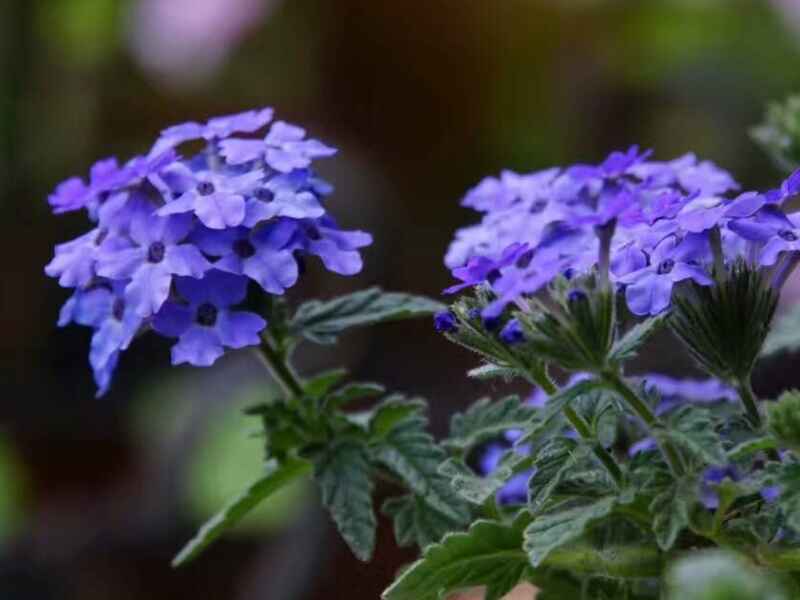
<point x="576" y="296"/>
<point x="770" y="493"/>
<point x="512" y="333"/>
<point x="474" y="314"/>
<point x="491" y="323"/>
<point x="445" y="322"/>
<point x="493" y="276"/>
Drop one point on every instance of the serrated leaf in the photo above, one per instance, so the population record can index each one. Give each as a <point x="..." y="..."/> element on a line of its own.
<point x="476" y="488"/>
<point x="493" y="371"/>
<point x="629" y="345"/>
<point x="342" y="471"/>
<point x="486" y="419"/>
<point x="489" y="554"/>
<point x="416" y="522"/>
<point x="670" y="509"/>
<point x="555" y="407"/>
<point x="320" y="385"/>
<point x="553" y="460"/>
<point x="390" y="413"/>
<point x="784" y="335"/>
<point x="410" y="452"/>
<point x="351" y="392"/>
<point x="550" y="531"/>
<point x="693" y="430"/>
<point x="789" y="499"/>
<point x="322" y="321"/>
<point x="277" y="477"/>
<point x="750" y="447"/>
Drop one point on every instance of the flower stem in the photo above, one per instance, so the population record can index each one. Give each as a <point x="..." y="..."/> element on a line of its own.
<point x="745" y="391"/>
<point x="278" y="366"/>
<point x="651" y="421"/>
<point x="580" y="425"/>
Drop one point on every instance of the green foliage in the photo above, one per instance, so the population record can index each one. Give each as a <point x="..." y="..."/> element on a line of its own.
<point x="489" y="554"/>
<point x="554" y="529"/>
<point x="720" y="575"/>
<point x="724" y="326"/>
<point x="276" y="477"/>
<point x="475" y="488"/>
<point x="322" y="322"/>
<point x="417" y="523"/>
<point x="789" y="500"/>
<point x="784" y="419"/>
<point x="486" y="419"/>
<point x="779" y="134"/>
<point x="343" y="473"/>
<point x="671" y="508"/>
<point x="785" y="335"/>
<point x="629" y="345"/>
<point x="556" y="457"/>
<point x="692" y="429"/>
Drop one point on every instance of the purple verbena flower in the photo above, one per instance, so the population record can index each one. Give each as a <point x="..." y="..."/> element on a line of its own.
<point x="445" y="321"/>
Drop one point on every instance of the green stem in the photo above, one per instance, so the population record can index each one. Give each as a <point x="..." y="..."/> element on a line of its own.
<point x="748" y="399"/>
<point x="280" y="369"/>
<point x="580" y="425"/>
<point x="651" y="421"/>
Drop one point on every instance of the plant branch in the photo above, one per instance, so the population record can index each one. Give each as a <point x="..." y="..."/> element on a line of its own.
<point x="745" y="391"/>
<point x="278" y="366"/>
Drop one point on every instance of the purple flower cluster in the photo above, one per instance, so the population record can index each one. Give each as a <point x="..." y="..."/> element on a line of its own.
<point x="652" y="224"/>
<point x="175" y="240"/>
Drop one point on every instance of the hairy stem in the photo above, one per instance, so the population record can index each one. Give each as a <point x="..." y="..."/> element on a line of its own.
<point x="651" y="421"/>
<point x="745" y="391"/>
<point x="580" y="425"/>
<point x="280" y="369"/>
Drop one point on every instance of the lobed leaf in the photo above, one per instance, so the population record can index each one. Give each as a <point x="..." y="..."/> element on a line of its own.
<point x="277" y="476"/>
<point x="670" y="509"/>
<point x="417" y="522"/>
<point x="322" y="321"/>
<point x="486" y="419"/>
<point x="629" y="345"/>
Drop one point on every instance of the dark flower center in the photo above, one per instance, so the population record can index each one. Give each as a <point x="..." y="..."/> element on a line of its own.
<point x="155" y="253"/>
<point x="265" y="195"/>
<point x="538" y="206"/>
<point x="666" y="266"/>
<point x="101" y="236"/>
<point x="787" y="235"/>
<point x="205" y="188"/>
<point x="207" y="314"/>
<point x="313" y="233"/>
<point x="525" y="259"/>
<point x="493" y="276"/>
<point x="243" y="248"/>
<point x="576" y="296"/>
<point x="118" y="309"/>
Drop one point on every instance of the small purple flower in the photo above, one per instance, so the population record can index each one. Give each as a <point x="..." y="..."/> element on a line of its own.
<point x="770" y="493"/>
<point x="712" y="477"/>
<point x="205" y="323"/>
<point x="770" y="227"/>
<point x="218" y="200"/>
<point x="75" y="261"/>
<point x="338" y="249"/>
<point x="788" y="189"/>
<point x="260" y="255"/>
<point x="157" y="256"/>
<point x="512" y="333"/>
<point x="480" y="269"/>
<point x="649" y="290"/>
<point x="284" y="149"/>
<point x="647" y="444"/>
<point x="217" y="128"/>
<point x="701" y="214"/>
<point x="445" y="322"/>
<point x="294" y="195"/>
<point x="678" y="392"/>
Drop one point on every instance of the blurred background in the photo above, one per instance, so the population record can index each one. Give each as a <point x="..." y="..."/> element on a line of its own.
<point x="423" y="99"/>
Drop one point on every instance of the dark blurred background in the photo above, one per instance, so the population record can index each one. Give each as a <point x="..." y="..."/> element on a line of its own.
<point x="423" y="99"/>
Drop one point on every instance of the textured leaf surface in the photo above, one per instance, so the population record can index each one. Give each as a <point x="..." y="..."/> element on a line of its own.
<point x="670" y="510"/>
<point x="692" y="428"/>
<point x="486" y="419"/>
<point x="416" y="522"/>
<point x="629" y="345"/>
<point x="322" y="322"/>
<point x="489" y="554"/>
<point x="476" y="488"/>
<point x="555" y="407"/>
<point x="553" y="460"/>
<point x="789" y="500"/>
<point x="277" y="477"/>
<point x="551" y="531"/>
<point x="343" y="474"/>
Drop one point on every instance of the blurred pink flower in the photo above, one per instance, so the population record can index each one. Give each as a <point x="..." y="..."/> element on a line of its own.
<point x="185" y="42"/>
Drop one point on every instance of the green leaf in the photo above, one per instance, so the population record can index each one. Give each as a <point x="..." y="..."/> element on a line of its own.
<point x="750" y="447"/>
<point x="789" y="500"/>
<point x="416" y="522"/>
<point x="692" y="429"/>
<point x="410" y="452"/>
<point x="493" y="371"/>
<point x="550" y="531"/>
<point x="670" y="509"/>
<point x="321" y="322"/>
<point x="476" y="488"/>
<point x="555" y="407"/>
<point x="489" y="554"/>
<point x="277" y="476"/>
<point x="342" y="471"/>
<point x="784" y="336"/>
<point x="321" y="384"/>
<point x="392" y="412"/>
<point x="553" y="461"/>
<point x="486" y="419"/>
<point x="351" y="392"/>
<point x="629" y="345"/>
